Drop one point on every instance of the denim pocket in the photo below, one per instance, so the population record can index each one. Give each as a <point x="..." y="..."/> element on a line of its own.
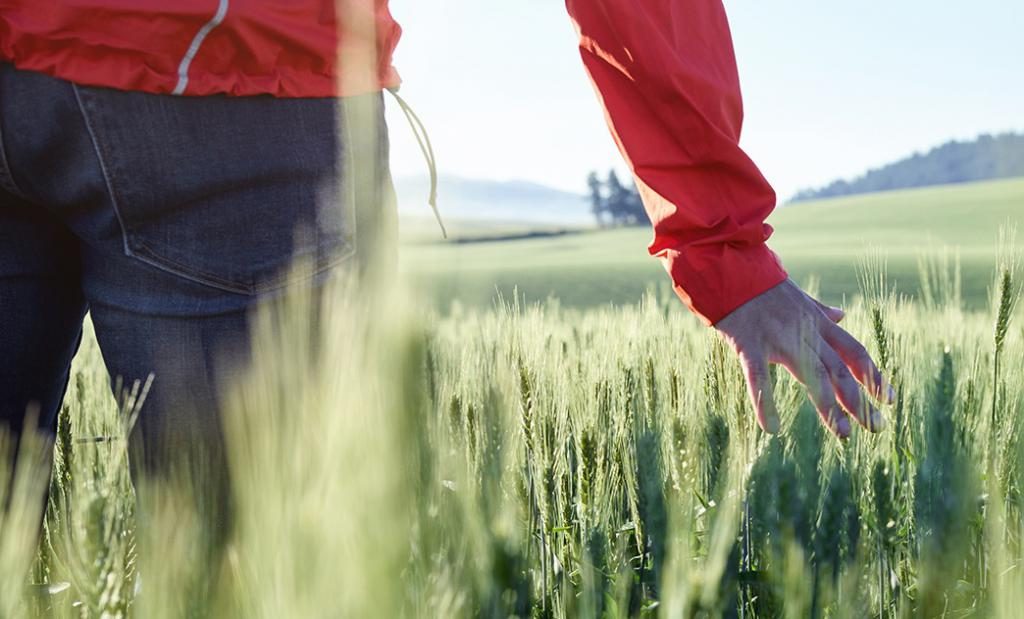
<point x="225" y="191"/>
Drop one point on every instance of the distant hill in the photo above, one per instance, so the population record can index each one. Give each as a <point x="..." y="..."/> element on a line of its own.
<point x="985" y="158"/>
<point x="495" y="201"/>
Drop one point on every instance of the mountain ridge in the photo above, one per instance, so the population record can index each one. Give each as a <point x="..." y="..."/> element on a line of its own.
<point x="494" y="200"/>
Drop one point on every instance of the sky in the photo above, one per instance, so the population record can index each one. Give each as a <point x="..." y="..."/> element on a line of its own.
<point x="830" y="88"/>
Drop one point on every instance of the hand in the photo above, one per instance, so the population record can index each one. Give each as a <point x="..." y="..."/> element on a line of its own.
<point x="786" y="326"/>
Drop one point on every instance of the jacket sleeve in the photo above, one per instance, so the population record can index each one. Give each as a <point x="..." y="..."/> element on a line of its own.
<point x="665" y="72"/>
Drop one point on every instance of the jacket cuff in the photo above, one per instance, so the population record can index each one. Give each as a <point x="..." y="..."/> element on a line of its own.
<point x="714" y="280"/>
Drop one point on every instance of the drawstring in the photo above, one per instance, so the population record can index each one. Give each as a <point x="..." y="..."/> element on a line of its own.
<point x="423" y="139"/>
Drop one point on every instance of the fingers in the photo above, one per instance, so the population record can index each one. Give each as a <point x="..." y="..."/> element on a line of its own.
<point x="815" y="377"/>
<point x="848" y="392"/>
<point x="785" y="325"/>
<point x="860" y="363"/>
<point x="761" y="391"/>
<point x="834" y="314"/>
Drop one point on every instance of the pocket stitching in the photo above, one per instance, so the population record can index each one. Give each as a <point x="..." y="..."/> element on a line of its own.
<point x="139" y="250"/>
<point x="146" y="254"/>
<point x="104" y="169"/>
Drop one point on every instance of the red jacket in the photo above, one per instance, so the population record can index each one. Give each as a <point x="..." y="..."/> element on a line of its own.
<point x="288" y="48"/>
<point x="663" y="69"/>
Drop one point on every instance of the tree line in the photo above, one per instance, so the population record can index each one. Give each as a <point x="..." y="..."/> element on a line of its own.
<point x="614" y="203"/>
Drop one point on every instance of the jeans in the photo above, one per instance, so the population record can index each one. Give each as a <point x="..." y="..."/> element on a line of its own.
<point x="168" y="219"/>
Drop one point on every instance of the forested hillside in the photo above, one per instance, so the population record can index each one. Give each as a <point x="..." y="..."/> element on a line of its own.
<point x="987" y="157"/>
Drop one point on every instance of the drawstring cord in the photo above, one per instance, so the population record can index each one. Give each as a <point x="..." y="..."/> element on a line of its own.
<point x="423" y="140"/>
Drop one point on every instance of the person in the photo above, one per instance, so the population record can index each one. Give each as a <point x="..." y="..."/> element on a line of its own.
<point x="157" y="167"/>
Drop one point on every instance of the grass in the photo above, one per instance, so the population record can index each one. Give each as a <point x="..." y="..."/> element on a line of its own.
<point x="822" y="239"/>
<point x="548" y="461"/>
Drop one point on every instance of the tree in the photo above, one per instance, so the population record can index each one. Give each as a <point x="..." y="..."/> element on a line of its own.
<point x="614" y="203"/>
<point x="598" y="204"/>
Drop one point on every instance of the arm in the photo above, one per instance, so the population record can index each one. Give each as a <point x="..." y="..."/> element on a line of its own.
<point x="666" y="74"/>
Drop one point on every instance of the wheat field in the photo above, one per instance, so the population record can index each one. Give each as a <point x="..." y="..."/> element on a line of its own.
<point x="539" y="461"/>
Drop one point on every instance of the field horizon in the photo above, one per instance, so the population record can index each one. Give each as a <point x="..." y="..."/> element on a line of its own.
<point x="823" y="240"/>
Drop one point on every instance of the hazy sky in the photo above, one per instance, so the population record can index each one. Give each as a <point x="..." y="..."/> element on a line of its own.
<point x="830" y="88"/>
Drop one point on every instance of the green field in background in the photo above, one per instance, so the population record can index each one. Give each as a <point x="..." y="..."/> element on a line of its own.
<point x="826" y="240"/>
